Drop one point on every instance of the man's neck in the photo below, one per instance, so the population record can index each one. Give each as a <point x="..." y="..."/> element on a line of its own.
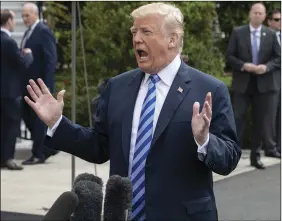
<point x="255" y="26"/>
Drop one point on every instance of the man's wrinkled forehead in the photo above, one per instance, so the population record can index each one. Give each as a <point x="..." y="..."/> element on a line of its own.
<point x="148" y="22"/>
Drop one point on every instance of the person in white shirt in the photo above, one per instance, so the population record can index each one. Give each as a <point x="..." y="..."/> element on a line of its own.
<point x="164" y="125"/>
<point x="274" y="22"/>
<point x="255" y="57"/>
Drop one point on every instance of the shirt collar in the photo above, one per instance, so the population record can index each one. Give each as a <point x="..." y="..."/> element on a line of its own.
<point x="6" y="31"/>
<point x="168" y="73"/>
<point x="34" y="25"/>
<point x="253" y="29"/>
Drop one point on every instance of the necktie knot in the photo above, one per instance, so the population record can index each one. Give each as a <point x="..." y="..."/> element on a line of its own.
<point x="155" y="78"/>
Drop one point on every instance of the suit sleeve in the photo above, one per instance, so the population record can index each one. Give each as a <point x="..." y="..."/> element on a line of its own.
<point x="223" y="151"/>
<point x="86" y="143"/>
<point x="231" y="53"/>
<point x="275" y="62"/>
<point x="13" y="53"/>
<point x="50" y="57"/>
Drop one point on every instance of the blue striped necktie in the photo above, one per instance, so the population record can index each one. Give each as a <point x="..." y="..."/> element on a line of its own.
<point x="255" y="48"/>
<point x="142" y="146"/>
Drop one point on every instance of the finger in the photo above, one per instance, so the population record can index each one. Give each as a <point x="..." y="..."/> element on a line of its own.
<point x="35" y="88"/>
<point x="30" y="103"/>
<point x="209" y="98"/>
<point x="208" y="110"/>
<point x="43" y="86"/>
<point x="60" y="96"/>
<point x="207" y="121"/>
<point x="31" y="93"/>
<point x="196" y="108"/>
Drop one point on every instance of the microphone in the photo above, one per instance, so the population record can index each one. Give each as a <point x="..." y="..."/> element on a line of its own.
<point x="90" y="197"/>
<point x="118" y="198"/>
<point x="63" y="207"/>
<point x="90" y="177"/>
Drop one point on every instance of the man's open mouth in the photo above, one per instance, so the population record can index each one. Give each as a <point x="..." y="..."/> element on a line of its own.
<point x="143" y="55"/>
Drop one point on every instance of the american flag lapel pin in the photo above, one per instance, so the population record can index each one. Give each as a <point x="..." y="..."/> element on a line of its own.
<point x="180" y="90"/>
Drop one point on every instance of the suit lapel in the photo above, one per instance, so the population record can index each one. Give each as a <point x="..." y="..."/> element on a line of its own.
<point x="178" y="90"/>
<point x="262" y="42"/>
<point x="133" y="89"/>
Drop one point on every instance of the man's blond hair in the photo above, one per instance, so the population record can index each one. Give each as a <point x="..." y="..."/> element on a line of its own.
<point x="173" y="18"/>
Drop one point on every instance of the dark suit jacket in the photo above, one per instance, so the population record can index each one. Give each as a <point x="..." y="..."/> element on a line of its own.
<point x="178" y="185"/>
<point x="240" y="51"/>
<point x="43" y="45"/>
<point x="12" y="66"/>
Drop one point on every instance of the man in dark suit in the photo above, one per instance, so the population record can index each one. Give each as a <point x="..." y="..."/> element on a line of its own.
<point x="274" y="22"/>
<point x="254" y="54"/>
<point x="13" y="61"/>
<point x="41" y="41"/>
<point x="157" y="124"/>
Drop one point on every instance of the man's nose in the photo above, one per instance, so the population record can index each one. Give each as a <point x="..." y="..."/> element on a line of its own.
<point x="137" y="37"/>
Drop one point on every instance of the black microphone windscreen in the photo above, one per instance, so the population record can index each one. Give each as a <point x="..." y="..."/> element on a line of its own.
<point x="118" y="198"/>
<point x="63" y="207"/>
<point x="90" y="197"/>
<point x="90" y="177"/>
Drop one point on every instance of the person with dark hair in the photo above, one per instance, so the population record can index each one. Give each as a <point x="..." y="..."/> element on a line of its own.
<point x="13" y="61"/>
<point x="274" y="23"/>
<point x="254" y="55"/>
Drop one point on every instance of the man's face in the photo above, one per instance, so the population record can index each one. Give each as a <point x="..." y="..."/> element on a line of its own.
<point x="275" y="22"/>
<point x="257" y="14"/>
<point x="29" y="16"/>
<point x="150" y="43"/>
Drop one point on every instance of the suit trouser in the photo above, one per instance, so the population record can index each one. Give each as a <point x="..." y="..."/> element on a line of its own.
<point x="264" y="117"/>
<point x="10" y="123"/>
<point x="278" y="123"/>
<point x="37" y="130"/>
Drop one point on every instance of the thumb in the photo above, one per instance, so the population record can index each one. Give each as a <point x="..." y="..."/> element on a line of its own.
<point x="60" y="96"/>
<point x="196" y="108"/>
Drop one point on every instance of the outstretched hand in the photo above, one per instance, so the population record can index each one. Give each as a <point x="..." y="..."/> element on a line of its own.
<point x="48" y="109"/>
<point x="201" y="121"/>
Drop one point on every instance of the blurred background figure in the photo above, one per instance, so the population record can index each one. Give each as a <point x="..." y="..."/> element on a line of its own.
<point x="13" y="61"/>
<point x="42" y="42"/>
<point x="254" y="55"/>
<point x="274" y="22"/>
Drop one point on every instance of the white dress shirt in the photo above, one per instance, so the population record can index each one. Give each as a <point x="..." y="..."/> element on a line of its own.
<point x="258" y="35"/>
<point x="6" y="31"/>
<point x="278" y="33"/>
<point x="167" y="76"/>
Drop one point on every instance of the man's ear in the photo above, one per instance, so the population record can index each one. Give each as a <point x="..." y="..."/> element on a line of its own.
<point x="173" y="39"/>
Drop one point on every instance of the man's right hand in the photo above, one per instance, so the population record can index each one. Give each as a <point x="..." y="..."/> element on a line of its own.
<point x="44" y="104"/>
<point x="250" y="67"/>
<point x="27" y="50"/>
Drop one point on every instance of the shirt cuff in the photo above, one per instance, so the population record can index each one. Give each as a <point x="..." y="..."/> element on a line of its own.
<point x="202" y="149"/>
<point x="50" y="132"/>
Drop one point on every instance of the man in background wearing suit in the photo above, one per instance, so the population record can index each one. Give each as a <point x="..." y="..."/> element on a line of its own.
<point x="13" y="61"/>
<point x="165" y="125"/>
<point x="254" y="55"/>
<point x="41" y="41"/>
<point x="274" y="22"/>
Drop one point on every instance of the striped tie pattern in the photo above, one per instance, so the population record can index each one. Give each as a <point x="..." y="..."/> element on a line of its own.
<point x="142" y="146"/>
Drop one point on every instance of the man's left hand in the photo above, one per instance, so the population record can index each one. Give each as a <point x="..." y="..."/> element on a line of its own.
<point x="201" y="121"/>
<point x="261" y="69"/>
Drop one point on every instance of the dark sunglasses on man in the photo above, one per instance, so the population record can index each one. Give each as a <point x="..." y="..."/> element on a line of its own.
<point x="276" y="19"/>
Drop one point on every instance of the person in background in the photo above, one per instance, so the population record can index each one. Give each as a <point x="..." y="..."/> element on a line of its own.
<point x="254" y="55"/>
<point x="13" y="61"/>
<point x="274" y="22"/>
<point x="40" y="39"/>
